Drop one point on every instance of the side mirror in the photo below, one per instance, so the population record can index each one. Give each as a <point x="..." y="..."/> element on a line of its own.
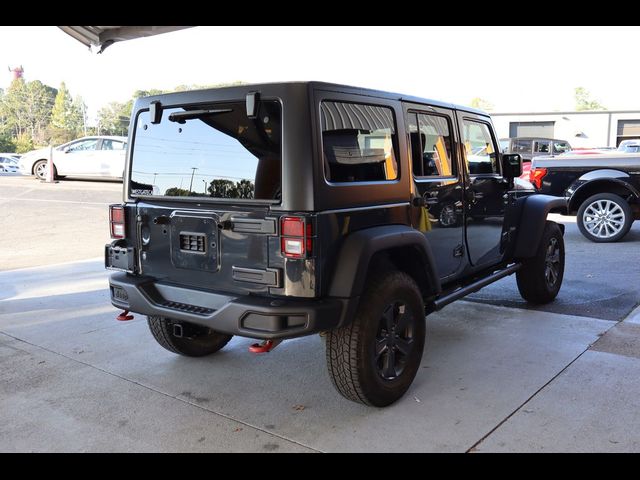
<point x="511" y="165"/>
<point x="66" y="149"/>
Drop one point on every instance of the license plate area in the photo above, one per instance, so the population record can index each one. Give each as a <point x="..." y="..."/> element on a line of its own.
<point x="195" y="242"/>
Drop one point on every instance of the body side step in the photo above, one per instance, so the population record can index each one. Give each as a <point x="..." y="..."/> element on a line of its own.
<point x="445" y="300"/>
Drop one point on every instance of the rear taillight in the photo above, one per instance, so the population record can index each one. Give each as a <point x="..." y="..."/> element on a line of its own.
<point x="296" y="237"/>
<point x="536" y="175"/>
<point x="116" y="221"/>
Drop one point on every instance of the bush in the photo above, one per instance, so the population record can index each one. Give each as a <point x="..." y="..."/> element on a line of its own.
<point x="23" y="143"/>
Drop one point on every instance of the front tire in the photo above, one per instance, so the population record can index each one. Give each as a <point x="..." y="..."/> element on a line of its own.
<point x="196" y="341"/>
<point x="604" y="217"/>
<point x="40" y="170"/>
<point x="374" y="359"/>
<point x="540" y="277"/>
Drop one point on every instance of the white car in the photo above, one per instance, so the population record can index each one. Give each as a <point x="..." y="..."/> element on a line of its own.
<point x="99" y="156"/>
<point x="8" y="163"/>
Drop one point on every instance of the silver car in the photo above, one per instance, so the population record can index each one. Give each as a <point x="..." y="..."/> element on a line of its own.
<point x="98" y="156"/>
<point x="8" y="163"/>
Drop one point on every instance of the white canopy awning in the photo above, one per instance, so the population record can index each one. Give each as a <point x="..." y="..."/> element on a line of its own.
<point x="102" y="37"/>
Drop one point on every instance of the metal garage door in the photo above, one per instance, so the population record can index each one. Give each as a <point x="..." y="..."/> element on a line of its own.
<point x="531" y="129"/>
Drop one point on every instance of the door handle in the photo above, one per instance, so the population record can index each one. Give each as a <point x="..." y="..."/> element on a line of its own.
<point x="478" y="195"/>
<point x="431" y="201"/>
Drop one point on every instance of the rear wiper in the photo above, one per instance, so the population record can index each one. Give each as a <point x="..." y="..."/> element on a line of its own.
<point x="182" y="117"/>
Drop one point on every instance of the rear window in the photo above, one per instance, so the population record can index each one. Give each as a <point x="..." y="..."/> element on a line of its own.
<point x="358" y="142"/>
<point x="209" y="151"/>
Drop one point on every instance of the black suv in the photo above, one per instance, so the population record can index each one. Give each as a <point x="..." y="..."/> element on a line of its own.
<point x="280" y="210"/>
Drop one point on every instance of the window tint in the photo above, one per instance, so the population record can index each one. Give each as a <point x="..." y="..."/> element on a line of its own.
<point x="521" y="146"/>
<point x="561" y="147"/>
<point x="541" y="146"/>
<point x="479" y="148"/>
<point x="83" y="145"/>
<point x="431" y="149"/>
<point x="113" y="145"/>
<point x="209" y="151"/>
<point x="358" y="142"/>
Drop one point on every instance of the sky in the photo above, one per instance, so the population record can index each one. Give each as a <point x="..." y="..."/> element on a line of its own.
<point x="517" y="69"/>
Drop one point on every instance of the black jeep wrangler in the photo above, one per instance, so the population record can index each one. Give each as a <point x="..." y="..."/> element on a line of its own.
<point x="280" y="210"/>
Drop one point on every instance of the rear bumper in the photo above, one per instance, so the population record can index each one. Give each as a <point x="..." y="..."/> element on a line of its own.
<point x="247" y="316"/>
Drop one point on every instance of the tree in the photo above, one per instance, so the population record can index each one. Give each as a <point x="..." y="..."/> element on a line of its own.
<point x="481" y="104"/>
<point x="222" y="189"/>
<point x="245" y="189"/>
<point x="585" y="102"/>
<point x="26" y="108"/>
<point x="67" y="119"/>
<point x="113" y="119"/>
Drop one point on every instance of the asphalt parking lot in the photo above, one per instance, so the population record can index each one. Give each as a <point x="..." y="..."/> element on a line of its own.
<point x="497" y="375"/>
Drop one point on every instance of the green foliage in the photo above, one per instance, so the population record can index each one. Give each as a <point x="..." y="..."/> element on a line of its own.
<point x="220" y="188"/>
<point x="23" y="143"/>
<point x="585" y="102"/>
<point x="114" y="118"/>
<point x="178" y="192"/>
<point x="481" y="104"/>
<point x="26" y="108"/>
<point x="67" y="117"/>
<point x="7" y="144"/>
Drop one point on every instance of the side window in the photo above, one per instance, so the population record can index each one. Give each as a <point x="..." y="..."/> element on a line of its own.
<point x="561" y="147"/>
<point x="358" y="142"/>
<point x="83" y="146"/>
<point x="541" y="146"/>
<point x="108" y="144"/>
<point x="521" y="146"/>
<point x="431" y="149"/>
<point x="480" y="152"/>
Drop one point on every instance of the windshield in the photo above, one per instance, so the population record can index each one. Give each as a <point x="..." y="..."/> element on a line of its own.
<point x="209" y="151"/>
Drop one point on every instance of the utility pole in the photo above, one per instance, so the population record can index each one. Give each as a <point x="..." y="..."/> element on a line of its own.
<point x="205" y="186"/>
<point x="192" y="174"/>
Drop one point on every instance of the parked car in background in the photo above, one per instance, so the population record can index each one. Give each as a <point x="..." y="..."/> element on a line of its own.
<point x="8" y="164"/>
<point x="629" y="146"/>
<point x="529" y="147"/>
<point x="602" y="190"/>
<point x="98" y="156"/>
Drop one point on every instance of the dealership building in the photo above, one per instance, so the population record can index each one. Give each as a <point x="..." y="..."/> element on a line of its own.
<point x="581" y="129"/>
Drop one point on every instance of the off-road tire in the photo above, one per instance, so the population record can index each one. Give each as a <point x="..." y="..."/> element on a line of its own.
<point x="540" y="277"/>
<point x="351" y="350"/>
<point x="204" y="342"/>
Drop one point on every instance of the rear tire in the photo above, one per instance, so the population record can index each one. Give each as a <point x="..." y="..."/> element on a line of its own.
<point x="540" y="277"/>
<point x="604" y="217"/>
<point x="374" y="359"/>
<point x="196" y="341"/>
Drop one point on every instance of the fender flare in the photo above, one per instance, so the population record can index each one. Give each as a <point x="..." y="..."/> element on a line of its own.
<point x="598" y="176"/>
<point x="532" y="222"/>
<point x="358" y="249"/>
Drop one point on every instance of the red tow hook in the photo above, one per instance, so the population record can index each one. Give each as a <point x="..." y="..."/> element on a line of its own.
<point x="265" y="346"/>
<point x="124" y="316"/>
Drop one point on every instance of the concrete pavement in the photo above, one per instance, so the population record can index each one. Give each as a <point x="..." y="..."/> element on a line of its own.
<point x="74" y="379"/>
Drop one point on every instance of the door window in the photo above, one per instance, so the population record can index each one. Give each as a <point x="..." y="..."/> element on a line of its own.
<point x="109" y="144"/>
<point x="358" y="142"/>
<point x="480" y="149"/>
<point x="561" y="147"/>
<point x="431" y="147"/>
<point x="521" y="146"/>
<point x="541" y="146"/>
<point x="83" y="146"/>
